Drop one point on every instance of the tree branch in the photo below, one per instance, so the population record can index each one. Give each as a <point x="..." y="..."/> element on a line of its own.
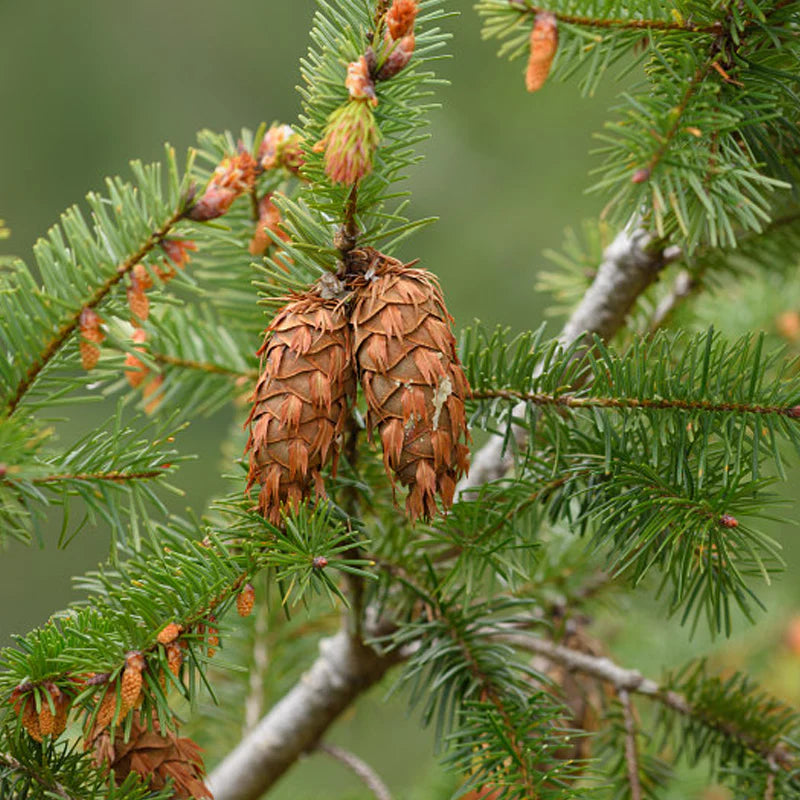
<point x="631" y="750"/>
<point x="54" y="788"/>
<point x="630" y="265"/>
<point x="624" y="24"/>
<point x="632" y="403"/>
<point x="632" y="681"/>
<point x="360" y="768"/>
<point x="71" y="323"/>
<point x="345" y="668"/>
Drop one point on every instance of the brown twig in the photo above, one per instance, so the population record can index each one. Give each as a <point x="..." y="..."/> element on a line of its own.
<point x="632" y="681"/>
<point x="634" y="403"/>
<point x="202" y="366"/>
<point x="113" y="476"/>
<point x="625" y="24"/>
<point x="51" y="788"/>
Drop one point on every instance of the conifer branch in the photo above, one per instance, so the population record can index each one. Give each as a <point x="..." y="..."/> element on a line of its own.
<point x="684" y="286"/>
<point x="71" y="323"/>
<point x="624" y="403"/>
<point x="112" y="476"/>
<point x="201" y="366"/>
<point x="622" y="24"/>
<point x="633" y="682"/>
<point x="52" y="788"/>
<point x="630" y="264"/>
<point x="358" y="767"/>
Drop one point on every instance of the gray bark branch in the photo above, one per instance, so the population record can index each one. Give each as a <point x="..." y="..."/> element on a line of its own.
<point x="360" y="768"/>
<point x="630" y="264"/>
<point x="344" y="669"/>
<point x="631" y="681"/>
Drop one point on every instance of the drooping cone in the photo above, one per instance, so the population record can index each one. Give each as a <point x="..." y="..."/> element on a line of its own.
<point x="155" y="756"/>
<point x="301" y="401"/>
<point x="413" y="382"/>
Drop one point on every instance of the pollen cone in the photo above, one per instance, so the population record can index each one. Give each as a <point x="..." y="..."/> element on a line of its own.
<point x="301" y="401"/>
<point x="413" y="382"/>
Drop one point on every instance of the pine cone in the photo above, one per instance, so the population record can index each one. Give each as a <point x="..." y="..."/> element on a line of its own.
<point x="413" y="381"/>
<point x="154" y="756"/>
<point x="301" y="401"/>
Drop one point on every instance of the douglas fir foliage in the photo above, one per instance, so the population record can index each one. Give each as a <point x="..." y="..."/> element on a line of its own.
<point x="605" y="467"/>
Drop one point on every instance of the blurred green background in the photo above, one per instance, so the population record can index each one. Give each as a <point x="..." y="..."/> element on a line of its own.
<point x="84" y="87"/>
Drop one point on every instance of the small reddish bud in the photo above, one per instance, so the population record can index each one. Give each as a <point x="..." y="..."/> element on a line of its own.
<point x="359" y="81"/>
<point x="90" y="326"/>
<point x="398" y="58"/>
<point x="215" y="202"/>
<point x="269" y="219"/>
<point x="3" y="470"/>
<point x="641" y="175"/>
<point x="134" y="660"/>
<point x="281" y="147"/>
<point x="91" y="336"/>
<point x="728" y="521"/>
<point x="137" y="301"/>
<point x="143" y="276"/>
<point x="544" y="43"/>
<point x="793" y="412"/>
<point x="400" y="18"/>
<point x="237" y="172"/>
<point x="135" y="370"/>
<point x="319" y="562"/>
<point x="177" y="251"/>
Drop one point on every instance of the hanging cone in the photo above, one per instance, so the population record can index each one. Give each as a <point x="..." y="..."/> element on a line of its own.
<point x="155" y="756"/>
<point x="413" y="381"/>
<point x="301" y="401"/>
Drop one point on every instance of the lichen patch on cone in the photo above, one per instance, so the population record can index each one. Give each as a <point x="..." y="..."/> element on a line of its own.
<point x="413" y="382"/>
<point x="301" y="401"/>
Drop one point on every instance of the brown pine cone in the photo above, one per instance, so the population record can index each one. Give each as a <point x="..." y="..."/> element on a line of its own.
<point x="155" y="756"/>
<point x="301" y="401"/>
<point x="413" y="382"/>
